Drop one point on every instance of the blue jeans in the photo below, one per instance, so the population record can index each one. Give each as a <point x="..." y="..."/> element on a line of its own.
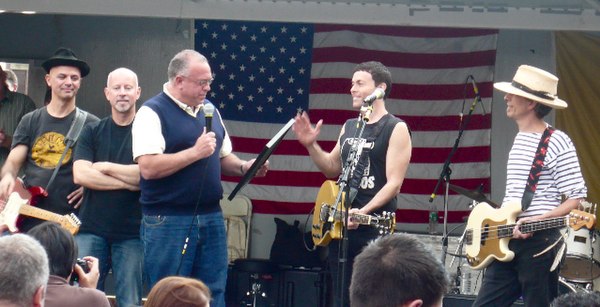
<point x="125" y="257"/>
<point x="205" y="257"/>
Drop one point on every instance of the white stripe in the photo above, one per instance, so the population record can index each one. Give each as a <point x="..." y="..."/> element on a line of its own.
<point x="459" y="170"/>
<point x="404" y="44"/>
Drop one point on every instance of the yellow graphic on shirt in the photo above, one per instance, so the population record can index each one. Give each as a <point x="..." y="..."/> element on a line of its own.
<point x="48" y="148"/>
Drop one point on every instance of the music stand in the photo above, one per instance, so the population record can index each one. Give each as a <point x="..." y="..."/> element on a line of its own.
<point x="262" y="157"/>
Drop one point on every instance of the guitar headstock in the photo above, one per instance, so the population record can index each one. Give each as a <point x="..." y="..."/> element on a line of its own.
<point x="71" y="223"/>
<point x="386" y="223"/>
<point x="578" y="219"/>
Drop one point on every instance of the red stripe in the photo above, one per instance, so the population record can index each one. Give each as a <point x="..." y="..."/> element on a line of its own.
<point x="407" y="91"/>
<point x="405" y="60"/>
<point x="315" y="179"/>
<point x="409" y="216"/>
<point x="419" y="32"/>
<point x="419" y="154"/>
<point x="416" y="123"/>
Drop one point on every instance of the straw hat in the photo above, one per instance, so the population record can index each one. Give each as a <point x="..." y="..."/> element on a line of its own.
<point x="535" y="84"/>
<point x="66" y="57"/>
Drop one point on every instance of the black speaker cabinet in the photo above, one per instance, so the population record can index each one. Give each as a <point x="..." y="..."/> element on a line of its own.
<point x="303" y="287"/>
<point x="457" y="300"/>
<point x="260" y="289"/>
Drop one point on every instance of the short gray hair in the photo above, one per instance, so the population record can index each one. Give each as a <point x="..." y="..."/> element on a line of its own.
<point x="179" y="64"/>
<point x="23" y="268"/>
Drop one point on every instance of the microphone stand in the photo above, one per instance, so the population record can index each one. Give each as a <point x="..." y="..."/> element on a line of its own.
<point x="344" y="186"/>
<point x="445" y="176"/>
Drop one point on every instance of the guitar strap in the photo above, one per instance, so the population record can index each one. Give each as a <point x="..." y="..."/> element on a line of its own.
<point x="536" y="168"/>
<point x="70" y="139"/>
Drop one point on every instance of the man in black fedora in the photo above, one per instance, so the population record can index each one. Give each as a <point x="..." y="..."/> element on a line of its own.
<point x="41" y="141"/>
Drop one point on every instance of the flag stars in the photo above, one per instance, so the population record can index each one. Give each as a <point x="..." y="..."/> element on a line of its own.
<point x="260" y="89"/>
<point x="214" y="35"/>
<point x="293" y="39"/>
<point x="262" y="69"/>
<point x="204" y="45"/>
<point x="222" y="105"/>
<point x="299" y="110"/>
<point x="263" y="30"/>
<point x="282" y="70"/>
<point x="253" y="37"/>
<point x="250" y="98"/>
<point x="233" y="56"/>
<point x="272" y="59"/>
<point x="231" y="96"/>
<point x="213" y="55"/>
<point x="271" y="79"/>
<point x="301" y="70"/>
<point x="263" y="49"/>
<point x="290" y="99"/>
<point x="244" y="28"/>
<point x="270" y="99"/>
<point x="302" y="50"/>
<point x="233" y="36"/>
<point x="279" y="110"/>
<point x="223" y="46"/>
<point x="284" y="30"/>
<point x="240" y="107"/>
<point x="242" y="67"/>
<point x="279" y="90"/>
<point x="205" y="25"/>
<point x="251" y="78"/>
<point x="240" y="88"/>
<point x="253" y="58"/>
<point x="259" y="109"/>
<point x="224" y="27"/>
<point x="273" y="39"/>
<point x="293" y="59"/>
<point x="222" y="66"/>
<point x="243" y="48"/>
<point x="231" y="77"/>
<point x="282" y="50"/>
<point x="303" y="29"/>
<point x="291" y="80"/>
<point x="221" y="86"/>
<point x="300" y="91"/>
<point x="213" y="94"/>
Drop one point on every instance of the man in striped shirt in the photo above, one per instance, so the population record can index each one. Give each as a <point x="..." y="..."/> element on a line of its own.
<point x="560" y="188"/>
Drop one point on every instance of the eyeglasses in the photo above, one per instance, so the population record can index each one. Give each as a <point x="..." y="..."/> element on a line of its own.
<point x="203" y="82"/>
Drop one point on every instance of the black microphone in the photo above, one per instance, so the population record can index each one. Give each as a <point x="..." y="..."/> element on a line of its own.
<point x="377" y="94"/>
<point x="209" y="110"/>
<point x="476" y="91"/>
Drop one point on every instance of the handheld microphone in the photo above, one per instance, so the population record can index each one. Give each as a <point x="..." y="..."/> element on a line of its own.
<point x="209" y="110"/>
<point x="377" y="94"/>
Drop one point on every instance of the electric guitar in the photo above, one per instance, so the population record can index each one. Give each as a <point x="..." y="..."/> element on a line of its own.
<point x="19" y="203"/>
<point x="328" y="222"/>
<point x="489" y="230"/>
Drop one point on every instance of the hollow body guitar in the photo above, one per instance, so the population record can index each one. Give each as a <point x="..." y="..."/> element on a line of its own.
<point x="328" y="219"/>
<point x="489" y="230"/>
<point x="21" y="201"/>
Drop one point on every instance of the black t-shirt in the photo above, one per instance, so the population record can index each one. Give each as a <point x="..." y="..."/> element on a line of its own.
<point x="44" y="135"/>
<point x="113" y="214"/>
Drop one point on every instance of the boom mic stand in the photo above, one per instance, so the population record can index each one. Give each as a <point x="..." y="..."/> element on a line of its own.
<point x="343" y="183"/>
<point x="445" y="176"/>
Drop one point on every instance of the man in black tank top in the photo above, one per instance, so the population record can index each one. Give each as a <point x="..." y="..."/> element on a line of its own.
<point x="379" y="173"/>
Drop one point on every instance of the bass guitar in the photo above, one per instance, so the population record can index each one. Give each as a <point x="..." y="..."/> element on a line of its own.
<point x="489" y="230"/>
<point x="327" y="221"/>
<point x="20" y="202"/>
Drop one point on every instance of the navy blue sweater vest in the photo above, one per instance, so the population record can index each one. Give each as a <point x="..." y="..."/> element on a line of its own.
<point x="178" y="193"/>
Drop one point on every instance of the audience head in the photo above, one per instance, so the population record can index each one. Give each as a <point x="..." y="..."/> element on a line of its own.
<point x="379" y="73"/>
<point x="577" y="299"/>
<point x="177" y="291"/>
<point x="11" y="80"/>
<point x="66" y="57"/>
<point x="59" y="245"/>
<point x="23" y="271"/>
<point x="397" y="270"/>
<point x="3" y="82"/>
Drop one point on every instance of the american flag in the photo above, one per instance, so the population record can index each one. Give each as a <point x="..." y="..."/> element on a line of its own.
<point x="267" y="72"/>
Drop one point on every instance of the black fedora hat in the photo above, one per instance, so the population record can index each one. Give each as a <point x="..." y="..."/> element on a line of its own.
<point x="66" y="57"/>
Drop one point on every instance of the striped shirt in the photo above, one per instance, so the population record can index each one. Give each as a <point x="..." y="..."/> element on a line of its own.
<point x="561" y="174"/>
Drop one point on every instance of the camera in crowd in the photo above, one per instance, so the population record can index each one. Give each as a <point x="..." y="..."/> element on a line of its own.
<point x="84" y="265"/>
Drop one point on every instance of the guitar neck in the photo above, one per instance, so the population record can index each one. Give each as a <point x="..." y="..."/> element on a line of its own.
<point x="529" y="227"/>
<point x="363" y="219"/>
<point x="40" y="213"/>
